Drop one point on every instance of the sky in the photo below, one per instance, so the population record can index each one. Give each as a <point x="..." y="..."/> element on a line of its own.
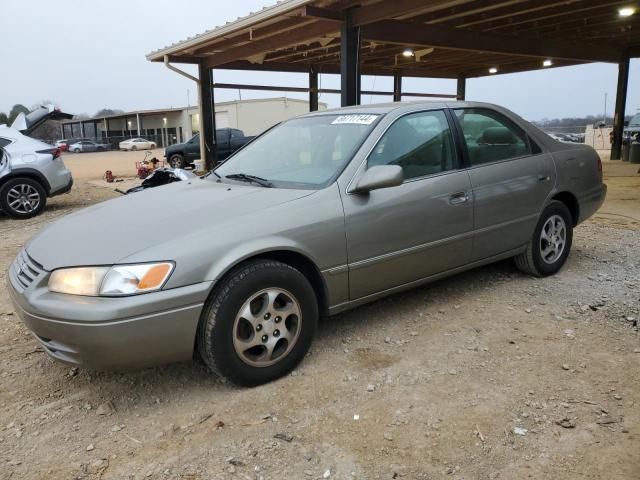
<point x="86" y="55"/>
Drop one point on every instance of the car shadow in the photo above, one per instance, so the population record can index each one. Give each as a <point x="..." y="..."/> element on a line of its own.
<point x="194" y="377"/>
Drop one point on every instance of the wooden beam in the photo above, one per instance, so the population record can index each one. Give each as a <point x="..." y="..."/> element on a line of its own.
<point x="398" y="8"/>
<point x="184" y="59"/>
<point x="322" y="13"/>
<point x="408" y="33"/>
<point x="292" y="37"/>
<point x="621" y="101"/>
<point x="461" y="90"/>
<point x="271" y="88"/>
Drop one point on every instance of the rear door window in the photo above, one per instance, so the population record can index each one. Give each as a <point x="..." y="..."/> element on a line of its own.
<point x="491" y="137"/>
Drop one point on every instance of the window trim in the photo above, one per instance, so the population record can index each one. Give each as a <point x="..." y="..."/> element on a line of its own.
<point x="457" y="158"/>
<point x="9" y="141"/>
<point x="463" y="142"/>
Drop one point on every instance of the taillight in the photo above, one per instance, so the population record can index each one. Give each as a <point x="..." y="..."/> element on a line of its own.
<point x="51" y="151"/>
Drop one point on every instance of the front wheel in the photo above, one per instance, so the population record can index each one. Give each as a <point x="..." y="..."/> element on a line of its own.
<point x="134" y="148"/>
<point x="177" y="161"/>
<point x="550" y="245"/>
<point x="152" y="146"/>
<point x="259" y="323"/>
<point x="22" y="198"/>
<point x="77" y="150"/>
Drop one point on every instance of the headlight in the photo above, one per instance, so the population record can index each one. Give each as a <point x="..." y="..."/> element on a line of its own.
<point x="116" y="281"/>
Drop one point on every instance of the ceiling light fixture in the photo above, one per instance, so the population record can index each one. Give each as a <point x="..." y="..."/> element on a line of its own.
<point x="493" y="70"/>
<point x="408" y="52"/>
<point x="547" y="63"/>
<point x="626" y="11"/>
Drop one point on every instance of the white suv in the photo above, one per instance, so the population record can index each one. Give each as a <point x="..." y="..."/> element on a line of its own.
<point x="30" y="170"/>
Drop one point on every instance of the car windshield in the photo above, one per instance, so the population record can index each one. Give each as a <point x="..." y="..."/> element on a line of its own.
<point x="305" y="153"/>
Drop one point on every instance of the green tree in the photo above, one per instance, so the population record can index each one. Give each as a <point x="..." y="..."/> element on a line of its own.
<point x="16" y="110"/>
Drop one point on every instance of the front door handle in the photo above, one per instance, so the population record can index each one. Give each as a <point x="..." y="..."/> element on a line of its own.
<point x="458" y="198"/>
<point x="543" y="178"/>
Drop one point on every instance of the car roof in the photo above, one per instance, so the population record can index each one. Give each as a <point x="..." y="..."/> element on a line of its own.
<point x="402" y="107"/>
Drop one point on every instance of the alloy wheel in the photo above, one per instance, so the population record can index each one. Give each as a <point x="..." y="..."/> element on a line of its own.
<point x="267" y="327"/>
<point x="23" y="198"/>
<point x="553" y="239"/>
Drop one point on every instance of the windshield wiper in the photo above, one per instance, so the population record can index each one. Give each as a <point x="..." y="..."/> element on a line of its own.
<point x="250" y="178"/>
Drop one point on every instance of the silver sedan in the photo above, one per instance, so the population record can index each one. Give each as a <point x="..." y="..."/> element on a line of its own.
<point x="323" y="213"/>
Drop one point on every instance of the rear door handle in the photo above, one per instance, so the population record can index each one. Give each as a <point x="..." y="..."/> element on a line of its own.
<point x="543" y="178"/>
<point x="458" y="198"/>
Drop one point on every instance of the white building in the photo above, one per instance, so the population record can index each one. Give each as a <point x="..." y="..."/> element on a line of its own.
<point x="176" y="125"/>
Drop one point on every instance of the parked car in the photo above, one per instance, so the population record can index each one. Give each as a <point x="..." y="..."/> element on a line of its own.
<point x="632" y="129"/>
<point x="229" y="140"/>
<point x="322" y="213"/>
<point x="88" y="146"/>
<point x="30" y="171"/>
<point x="137" y="144"/>
<point x="64" y="143"/>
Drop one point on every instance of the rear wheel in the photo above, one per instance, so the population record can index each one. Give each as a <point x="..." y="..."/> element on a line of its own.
<point x="550" y="245"/>
<point x="259" y="323"/>
<point x="76" y="150"/>
<point x="134" y="148"/>
<point x="22" y="198"/>
<point x="152" y="146"/>
<point x="177" y="161"/>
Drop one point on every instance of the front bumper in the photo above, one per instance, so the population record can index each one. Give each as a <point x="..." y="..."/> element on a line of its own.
<point x="108" y="333"/>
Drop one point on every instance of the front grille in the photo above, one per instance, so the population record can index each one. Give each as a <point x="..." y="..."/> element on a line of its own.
<point x="25" y="269"/>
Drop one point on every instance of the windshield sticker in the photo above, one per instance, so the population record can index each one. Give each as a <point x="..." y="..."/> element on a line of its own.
<point x="355" y="120"/>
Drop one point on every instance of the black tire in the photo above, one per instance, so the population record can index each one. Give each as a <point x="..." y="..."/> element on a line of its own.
<point x="77" y="150"/>
<point x="7" y="197"/>
<point x="177" y="161"/>
<point x="215" y="339"/>
<point x="152" y="146"/>
<point x="531" y="261"/>
<point x="134" y="148"/>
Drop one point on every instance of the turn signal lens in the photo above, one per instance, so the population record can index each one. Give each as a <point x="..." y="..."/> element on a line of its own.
<point x="155" y="277"/>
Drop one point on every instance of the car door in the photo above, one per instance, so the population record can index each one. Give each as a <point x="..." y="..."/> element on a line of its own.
<point x="88" y="147"/>
<point x="222" y="145"/>
<point x="511" y="178"/>
<point x="192" y="149"/>
<point x="403" y="234"/>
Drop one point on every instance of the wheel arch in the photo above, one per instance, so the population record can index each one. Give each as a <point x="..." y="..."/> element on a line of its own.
<point x="292" y="257"/>
<point x="571" y="202"/>
<point x="30" y="173"/>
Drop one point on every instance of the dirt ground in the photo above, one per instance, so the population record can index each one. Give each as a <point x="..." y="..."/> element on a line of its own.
<point x="487" y="375"/>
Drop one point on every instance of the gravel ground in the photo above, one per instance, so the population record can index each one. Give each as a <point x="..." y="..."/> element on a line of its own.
<point x="489" y="374"/>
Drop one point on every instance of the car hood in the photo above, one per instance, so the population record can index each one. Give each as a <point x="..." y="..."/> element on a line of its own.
<point x="110" y="231"/>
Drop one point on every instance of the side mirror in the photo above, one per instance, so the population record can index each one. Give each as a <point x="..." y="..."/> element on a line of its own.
<point x="381" y="176"/>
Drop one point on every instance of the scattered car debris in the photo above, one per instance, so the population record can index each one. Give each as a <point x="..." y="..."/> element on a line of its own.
<point x="284" y="436"/>
<point x="608" y="420"/>
<point x="566" y="423"/>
